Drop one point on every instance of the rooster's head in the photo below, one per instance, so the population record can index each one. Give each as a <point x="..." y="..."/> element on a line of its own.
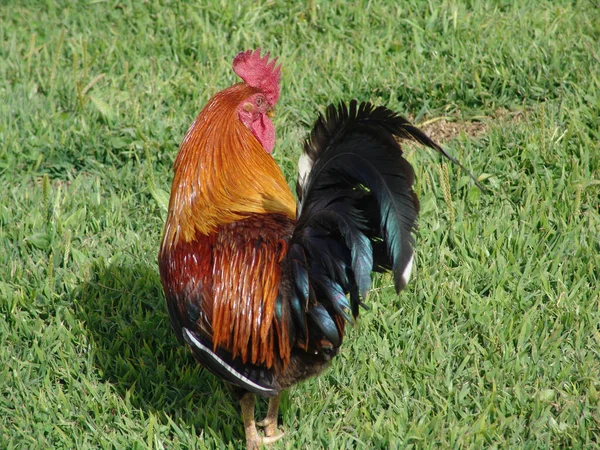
<point x="255" y="110"/>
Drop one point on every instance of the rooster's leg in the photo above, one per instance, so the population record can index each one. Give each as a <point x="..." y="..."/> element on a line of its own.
<point x="269" y="423"/>
<point x="253" y="441"/>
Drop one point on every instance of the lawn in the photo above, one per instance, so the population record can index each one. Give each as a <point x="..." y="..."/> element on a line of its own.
<point x="494" y="343"/>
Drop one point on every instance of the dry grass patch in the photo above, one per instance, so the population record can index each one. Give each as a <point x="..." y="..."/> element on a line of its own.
<point x="443" y="129"/>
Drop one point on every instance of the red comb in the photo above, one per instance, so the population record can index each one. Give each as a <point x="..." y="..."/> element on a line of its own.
<point x="259" y="73"/>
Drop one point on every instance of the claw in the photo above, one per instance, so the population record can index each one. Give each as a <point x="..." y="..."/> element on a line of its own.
<point x="270" y="429"/>
<point x="265" y="422"/>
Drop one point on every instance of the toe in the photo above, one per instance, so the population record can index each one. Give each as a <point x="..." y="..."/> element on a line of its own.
<point x="265" y="422"/>
<point x="273" y="438"/>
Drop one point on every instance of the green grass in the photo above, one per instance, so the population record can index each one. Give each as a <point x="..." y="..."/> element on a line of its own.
<point x="495" y="342"/>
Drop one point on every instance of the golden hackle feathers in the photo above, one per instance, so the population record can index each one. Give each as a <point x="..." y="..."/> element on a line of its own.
<point x="222" y="173"/>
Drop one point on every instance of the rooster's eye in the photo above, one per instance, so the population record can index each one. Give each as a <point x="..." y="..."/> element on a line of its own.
<point x="259" y="101"/>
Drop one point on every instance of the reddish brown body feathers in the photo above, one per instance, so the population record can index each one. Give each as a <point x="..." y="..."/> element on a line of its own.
<point x="230" y="214"/>
<point x="231" y="278"/>
<point x="251" y="250"/>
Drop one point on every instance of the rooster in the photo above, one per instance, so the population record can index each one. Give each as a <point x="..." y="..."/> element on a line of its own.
<point x="259" y="286"/>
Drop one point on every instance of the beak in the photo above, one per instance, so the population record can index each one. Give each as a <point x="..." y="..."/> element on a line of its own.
<point x="271" y="113"/>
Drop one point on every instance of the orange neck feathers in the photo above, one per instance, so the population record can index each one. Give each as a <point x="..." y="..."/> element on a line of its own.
<point x="222" y="173"/>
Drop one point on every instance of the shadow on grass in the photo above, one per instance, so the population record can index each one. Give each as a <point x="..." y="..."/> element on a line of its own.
<point x="135" y="349"/>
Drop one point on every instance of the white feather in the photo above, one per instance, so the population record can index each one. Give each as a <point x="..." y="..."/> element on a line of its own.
<point x="408" y="269"/>
<point x="305" y="165"/>
<point x="222" y="363"/>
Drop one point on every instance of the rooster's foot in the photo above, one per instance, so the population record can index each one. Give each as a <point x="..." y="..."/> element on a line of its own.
<point x="269" y="423"/>
<point x="272" y="434"/>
